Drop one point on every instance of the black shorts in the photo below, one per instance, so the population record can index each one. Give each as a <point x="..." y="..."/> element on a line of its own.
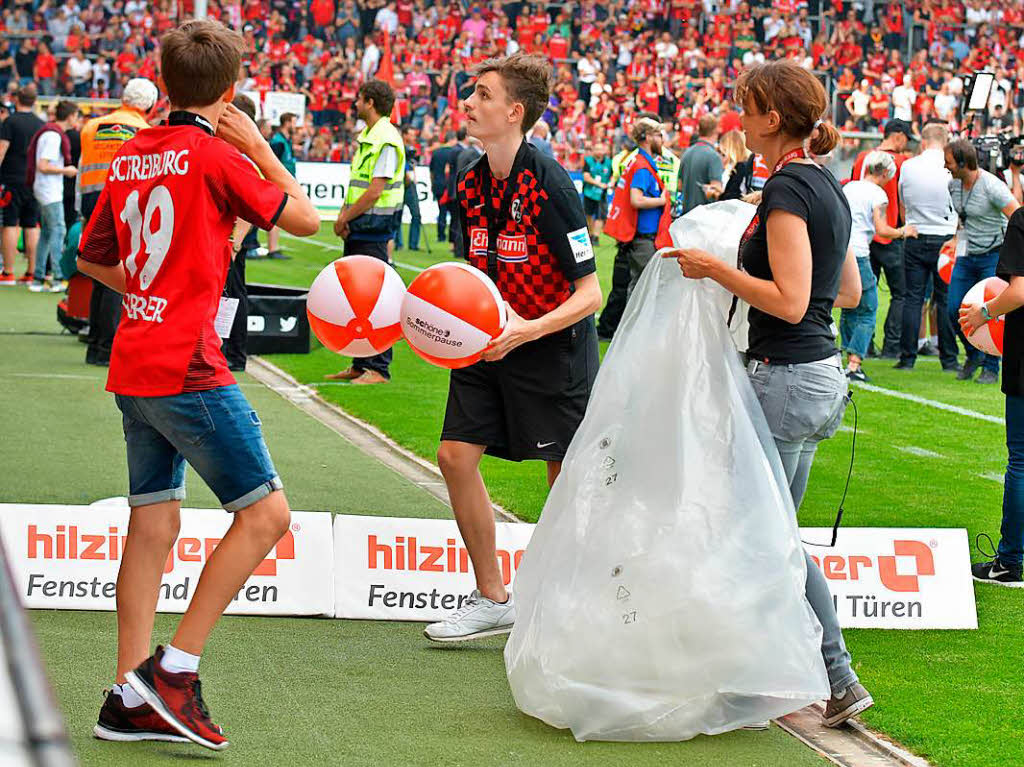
<point x="595" y="208"/>
<point x="528" y="405"/>
<point x="22" y="210"/>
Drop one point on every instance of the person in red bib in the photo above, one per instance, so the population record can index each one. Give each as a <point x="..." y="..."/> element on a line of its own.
<point x="160" y="235"/>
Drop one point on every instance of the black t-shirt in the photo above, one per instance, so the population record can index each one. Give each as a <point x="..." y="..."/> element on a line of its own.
<point x="814" y="195"/>
<point x="19" y="129"/>
<point x="542" y="242"/>
<point x="1011" y="264"/>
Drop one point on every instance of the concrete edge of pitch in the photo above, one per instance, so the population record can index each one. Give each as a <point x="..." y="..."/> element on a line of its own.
<point x="367" y="437"/>
<point x="851" y="746"/>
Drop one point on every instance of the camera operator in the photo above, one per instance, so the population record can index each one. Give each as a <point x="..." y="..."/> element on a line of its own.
<point x="984" y="204"/>
<point x="1011" y="175"/>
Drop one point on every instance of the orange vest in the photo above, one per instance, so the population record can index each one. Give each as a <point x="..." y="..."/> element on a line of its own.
<point x="101" y="138"/>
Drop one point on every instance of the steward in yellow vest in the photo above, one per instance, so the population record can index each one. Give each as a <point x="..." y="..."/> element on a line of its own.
<point x="103" y="136"/>
<point x="373" y="203"/>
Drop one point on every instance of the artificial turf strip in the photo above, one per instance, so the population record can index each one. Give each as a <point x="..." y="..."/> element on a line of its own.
<point x="287" y="691"/>
<point x="952" y="696"/>
<point x="304" y="692"/>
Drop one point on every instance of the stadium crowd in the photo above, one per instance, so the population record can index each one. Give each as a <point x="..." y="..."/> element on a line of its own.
<point x="613" y="60"/>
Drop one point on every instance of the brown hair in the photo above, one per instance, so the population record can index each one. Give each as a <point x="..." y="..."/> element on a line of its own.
<point x="963" y="153"/>
<point x="707" y="126"/>
<point x="26" y="95"/>
<point x="245" y="105"/>
<point x="796" y="95"/>
<point x="527" y="78"/>
<point x="199" y="61"/>
<point x="378" y="93"/>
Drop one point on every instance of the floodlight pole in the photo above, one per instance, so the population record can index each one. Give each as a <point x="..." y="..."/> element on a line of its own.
<point x="201" y="9"/>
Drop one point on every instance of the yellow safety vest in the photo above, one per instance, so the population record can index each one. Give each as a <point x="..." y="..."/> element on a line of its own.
<point x="386" y="212"/>
<point x="101" y="138"/>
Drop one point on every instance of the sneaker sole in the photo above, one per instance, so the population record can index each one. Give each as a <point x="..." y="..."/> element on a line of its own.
<point x="857" y="708"/>
<point x="149" y="695"/>
<point x="1011" y="585"/>
<point x="104" y="733"/>
<point x="470" y="637"/>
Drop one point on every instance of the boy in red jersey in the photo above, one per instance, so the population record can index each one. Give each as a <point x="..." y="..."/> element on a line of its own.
<point x="160" y="235"/>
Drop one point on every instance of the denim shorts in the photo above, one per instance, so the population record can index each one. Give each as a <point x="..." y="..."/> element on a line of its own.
<point x="216" y="431"/>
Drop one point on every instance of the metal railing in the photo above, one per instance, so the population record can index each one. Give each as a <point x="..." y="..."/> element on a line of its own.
<point x="44" y="734"/>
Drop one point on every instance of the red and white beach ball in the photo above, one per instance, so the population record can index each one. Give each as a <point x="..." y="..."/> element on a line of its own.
<point x="354" y="306"/>
<point x="989" y="337"/>
<point x="947" y="260"/>
<point x="450" y="313"/>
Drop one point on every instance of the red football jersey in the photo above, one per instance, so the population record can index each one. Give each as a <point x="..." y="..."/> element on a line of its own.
<point x="167" y="211"/>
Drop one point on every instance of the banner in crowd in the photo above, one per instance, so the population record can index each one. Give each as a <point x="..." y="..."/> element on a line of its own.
<point x="898" y="578"/>
<point x="67" y="557"/>
<point x="387" y="568"/>
<point x="273" y="104"/>
<point x="327" y="182"/>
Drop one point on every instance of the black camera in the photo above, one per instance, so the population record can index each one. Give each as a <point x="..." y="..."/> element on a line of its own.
<point x="997" y="153"/>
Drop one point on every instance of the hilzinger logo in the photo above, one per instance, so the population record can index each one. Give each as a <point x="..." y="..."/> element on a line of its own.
<point x="66" y="542"/>
<point x="840" y="568"/>
<point x="407" y="554"/>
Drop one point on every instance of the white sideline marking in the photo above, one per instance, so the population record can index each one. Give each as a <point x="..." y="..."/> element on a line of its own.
<point x="70" y="376"/>
<point x="340" y="249"/>
<point x="992" y="476"/>
<point x="918" y="451"/>
<point x="932" y="403"/>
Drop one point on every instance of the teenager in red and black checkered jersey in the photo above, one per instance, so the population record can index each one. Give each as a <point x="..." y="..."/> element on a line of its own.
<point x="523" y="223"/>
<point x="160" y="235"/>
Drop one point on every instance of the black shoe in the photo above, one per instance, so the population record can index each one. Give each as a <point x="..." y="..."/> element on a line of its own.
<point x="988" y="377"/>
<point x="887" y="355"/>
<point x="996" y="572"/>
<point x="857" y="375"/>
<point x="927" y="350"/>
<point x="277" y="255"/>
<point x="968" y="371"/>
<point x="956" y="367"/>
<point x="904" y="365"/>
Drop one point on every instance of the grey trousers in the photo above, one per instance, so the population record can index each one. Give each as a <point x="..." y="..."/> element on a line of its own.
<point x="803" y="405"/>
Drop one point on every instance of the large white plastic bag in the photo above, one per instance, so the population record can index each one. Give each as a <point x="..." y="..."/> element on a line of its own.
<point x="717" y="228"/>
<point x="662" y="593"/>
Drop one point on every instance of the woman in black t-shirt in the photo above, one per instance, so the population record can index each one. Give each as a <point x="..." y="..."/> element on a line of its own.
<point x="794" y="269"/>
<point x="1005" y="566"/>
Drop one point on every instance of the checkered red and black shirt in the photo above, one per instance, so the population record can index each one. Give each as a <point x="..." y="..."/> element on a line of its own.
<point x="544" y="246"/>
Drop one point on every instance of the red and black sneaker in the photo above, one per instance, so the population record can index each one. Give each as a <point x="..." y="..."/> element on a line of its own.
<point x="178" y="699"/>
<point x="120" y="723"/>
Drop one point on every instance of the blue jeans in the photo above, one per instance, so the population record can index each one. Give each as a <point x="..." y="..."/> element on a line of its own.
<point x="968" y="272"/>
<point x="51" y="240"/>
<point x="857" y="325"/>
<point x="803" y="405"/>
<point x="216" y="431"/>
<point x="1011" y="540"/>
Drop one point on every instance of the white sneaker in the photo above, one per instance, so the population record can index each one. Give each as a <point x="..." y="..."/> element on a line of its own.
<point x="477" y="618"/>
<point x="758" y="726"/>
<point x="58" y="286"/>
<point x="37" y="287"/>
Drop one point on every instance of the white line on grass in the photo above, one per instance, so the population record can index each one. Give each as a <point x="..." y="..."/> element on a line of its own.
<point x="992" y="476"/>
<point x="340" y="249"/>
<point x="56" y="375"/>
<point x="932" y="403"/>
<point x="918" y="451"/>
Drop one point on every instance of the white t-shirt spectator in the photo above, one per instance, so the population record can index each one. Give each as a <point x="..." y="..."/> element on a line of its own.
<point x="924" y="190"/>
<point x="587" y="69"/>
<point x="49" y="187"/>
<point x="945" y="105"/>
<point x="860" y="101"/>
<point x="903" y="99"/>
<point x="387" y="20"/>
<point x="371" y="60"/>
<point x="864" y="197"/>
<point x="773" y="27"/>
<point x="666" y="50"/>
<point x="79" y="70"/>
<point x="596" y="89"/>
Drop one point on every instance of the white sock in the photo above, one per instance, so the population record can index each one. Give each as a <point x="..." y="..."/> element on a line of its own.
<point x="933" y="340"/>
<point x="176" y="661"/>
<point x="129" y="697"/>
<point x="921" y="342"/>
